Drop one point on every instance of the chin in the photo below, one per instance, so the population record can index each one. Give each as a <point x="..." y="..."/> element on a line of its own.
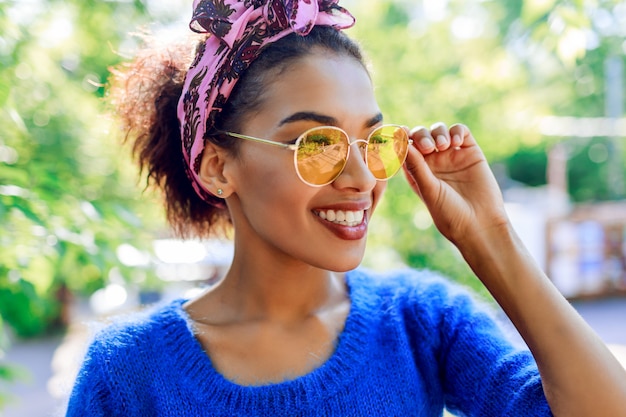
<point x="345" y="263"/>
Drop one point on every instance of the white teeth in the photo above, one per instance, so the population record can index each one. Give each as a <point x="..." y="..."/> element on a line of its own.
<point x="345" y="218"/>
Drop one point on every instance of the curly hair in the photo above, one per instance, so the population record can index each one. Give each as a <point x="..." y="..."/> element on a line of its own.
<point x="145" y="93"/>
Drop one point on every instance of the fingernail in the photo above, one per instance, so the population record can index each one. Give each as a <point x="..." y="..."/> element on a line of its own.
<point x="426" y="143"/>
<point x="456" y="140"/>
<point x="441" y="140"/>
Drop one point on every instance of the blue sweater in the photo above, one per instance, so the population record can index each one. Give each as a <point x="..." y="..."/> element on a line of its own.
<point x="412" y="345"/>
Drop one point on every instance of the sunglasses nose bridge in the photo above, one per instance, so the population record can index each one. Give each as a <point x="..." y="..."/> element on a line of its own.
<point x="358" y="141"/>
<point x="361" y="148"/>
<point x="361" y="145"/>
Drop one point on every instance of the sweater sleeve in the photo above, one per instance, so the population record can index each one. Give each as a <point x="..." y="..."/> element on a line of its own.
<point x="483" y="374"/>
<point x="90" y="395"/>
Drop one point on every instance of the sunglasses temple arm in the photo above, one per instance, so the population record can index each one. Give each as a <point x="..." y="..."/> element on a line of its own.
<point x="266" y="141"/>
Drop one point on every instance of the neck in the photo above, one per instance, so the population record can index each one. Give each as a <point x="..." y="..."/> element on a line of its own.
<point x="286" y="292"/>
<point x="260" y="289"/>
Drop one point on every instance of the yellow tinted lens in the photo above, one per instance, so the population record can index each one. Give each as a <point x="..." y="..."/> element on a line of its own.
<point x="321" y="155"/>
<point x="386" y="151"/>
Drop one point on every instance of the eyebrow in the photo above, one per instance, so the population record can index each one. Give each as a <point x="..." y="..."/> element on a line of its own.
<point x="323" y="119"/>
<point x="374" y="120"/>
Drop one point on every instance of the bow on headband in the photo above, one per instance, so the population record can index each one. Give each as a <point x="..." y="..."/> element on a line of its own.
<point x="239" y="29"/>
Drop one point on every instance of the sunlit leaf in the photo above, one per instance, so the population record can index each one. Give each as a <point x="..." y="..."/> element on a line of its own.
<point x="534" y="10"/>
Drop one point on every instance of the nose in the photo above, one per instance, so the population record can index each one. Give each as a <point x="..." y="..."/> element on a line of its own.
<point x="356" y="174"/>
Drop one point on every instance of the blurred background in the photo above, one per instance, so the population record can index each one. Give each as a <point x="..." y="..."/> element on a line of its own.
<point x="540" y="83"/>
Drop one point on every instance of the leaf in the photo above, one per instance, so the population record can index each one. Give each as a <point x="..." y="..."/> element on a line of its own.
<point x="535" y="10"/>
<point x="4" y="91"/>
<point x="23" y="207"/>
<point x="13" y="373"/>
<point x="14" y="175"/>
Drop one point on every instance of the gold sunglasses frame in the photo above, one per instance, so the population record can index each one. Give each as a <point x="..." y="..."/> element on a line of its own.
<point x="294" y="147"/>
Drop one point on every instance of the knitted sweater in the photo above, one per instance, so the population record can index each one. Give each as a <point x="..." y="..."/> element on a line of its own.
<point x="412" y="344"/>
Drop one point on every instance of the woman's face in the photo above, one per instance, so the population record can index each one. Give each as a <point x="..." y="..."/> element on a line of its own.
<point x="273" y="211"/>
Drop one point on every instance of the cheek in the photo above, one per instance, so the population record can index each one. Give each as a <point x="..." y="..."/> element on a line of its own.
<point x="267" y="176"/>
<point x="377" y="193"/>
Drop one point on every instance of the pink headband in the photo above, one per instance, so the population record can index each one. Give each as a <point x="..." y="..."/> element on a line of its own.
<point x="239" y="29"/>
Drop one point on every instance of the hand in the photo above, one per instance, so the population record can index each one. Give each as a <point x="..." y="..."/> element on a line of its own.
<point x="448" y="170"/>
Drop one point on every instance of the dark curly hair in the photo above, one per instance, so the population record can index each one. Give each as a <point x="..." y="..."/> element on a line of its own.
<point x="145" y="92"/>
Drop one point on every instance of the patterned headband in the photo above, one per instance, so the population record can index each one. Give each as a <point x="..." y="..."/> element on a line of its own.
<point x="239" y="29"/>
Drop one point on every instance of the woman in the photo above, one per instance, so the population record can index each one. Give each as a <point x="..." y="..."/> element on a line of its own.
<point x="282" y="138"/>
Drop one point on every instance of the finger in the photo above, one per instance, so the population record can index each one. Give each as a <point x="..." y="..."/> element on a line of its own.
<point x="439" y="131"/>
<point x="461" y="136"/>
<point x="422" y="140"/>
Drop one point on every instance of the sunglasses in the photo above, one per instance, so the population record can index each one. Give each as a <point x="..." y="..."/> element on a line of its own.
<point x="321" y="153"/>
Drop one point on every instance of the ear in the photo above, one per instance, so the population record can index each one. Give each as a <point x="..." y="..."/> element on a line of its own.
<point x="212" y="173"/>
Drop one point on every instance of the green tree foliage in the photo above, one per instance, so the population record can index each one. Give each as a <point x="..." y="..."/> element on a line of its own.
<point x="582" y="36"/>
<point x="67" y="192"/>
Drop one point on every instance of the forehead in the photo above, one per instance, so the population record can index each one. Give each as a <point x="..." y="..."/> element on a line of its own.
<point x="325" y="83"/>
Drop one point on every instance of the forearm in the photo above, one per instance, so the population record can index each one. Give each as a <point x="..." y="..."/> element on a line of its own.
<point x="579" y="374"/>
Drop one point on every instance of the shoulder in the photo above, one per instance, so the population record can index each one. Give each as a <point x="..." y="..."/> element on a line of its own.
<point x="130" y="358"/>
<point x="412" y="286"/>
<point x="138" y="349"/>
<point x="131" y="335"/>
<point x="423" y="297"/>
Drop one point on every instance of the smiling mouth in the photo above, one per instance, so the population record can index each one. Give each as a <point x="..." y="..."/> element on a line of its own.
<point x="349" y="218"/>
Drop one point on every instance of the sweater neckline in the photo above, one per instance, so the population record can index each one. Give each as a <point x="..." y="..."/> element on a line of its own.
<point x="340" y="369"/>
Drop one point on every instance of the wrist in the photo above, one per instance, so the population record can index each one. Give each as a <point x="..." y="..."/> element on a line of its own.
<point x="485" y="242"/>
<point x="499" y="258"/>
